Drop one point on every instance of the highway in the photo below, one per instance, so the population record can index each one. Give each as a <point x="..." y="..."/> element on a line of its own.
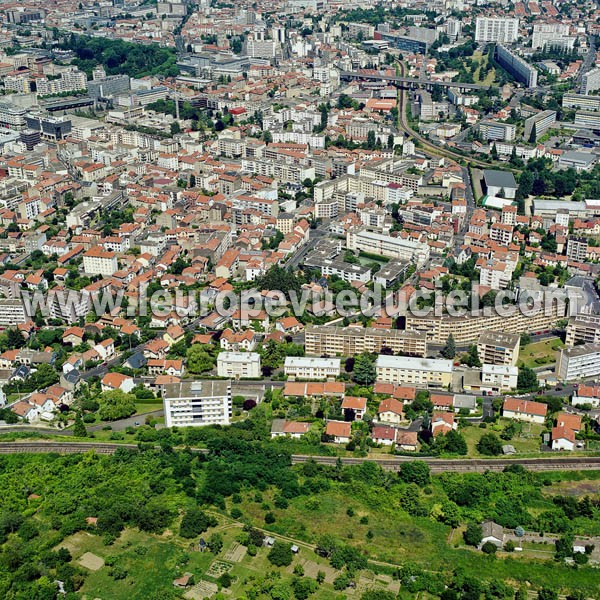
<point x="555" y="462"/>
<point x="412" y="81"/>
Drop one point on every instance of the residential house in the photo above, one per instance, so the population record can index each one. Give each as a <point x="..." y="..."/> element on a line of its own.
<point x="341" y="431"/>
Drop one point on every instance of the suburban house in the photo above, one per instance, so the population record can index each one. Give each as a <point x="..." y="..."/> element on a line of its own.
<point x="117" y="381"/>
<point x="341" y="431"/>
<point x="383" y="434"/>
<point x="106" y="349"/>
<point x="406" y="440"/>
<point x="524" y="410"/>
<point x="73" y="336"/>
<point x="295" y="429"/>
<point x="563" y="438"/>
<point x="390" y="411"/>
<point x="356" y="404"/>
<point x="442" y="401"/>
<point x="492" y="532"/>
<point x="326" y="389"/>
<point x="405" y="393"/>
<point x="586" y="394"/>
<point x="442" y="423"/>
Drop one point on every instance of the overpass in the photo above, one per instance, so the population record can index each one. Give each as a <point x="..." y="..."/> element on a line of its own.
<point x="410" y="82"/>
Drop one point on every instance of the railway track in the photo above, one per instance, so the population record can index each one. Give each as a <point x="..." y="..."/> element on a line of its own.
<point x="437" y="465"/>
<point x="462" y="465"/>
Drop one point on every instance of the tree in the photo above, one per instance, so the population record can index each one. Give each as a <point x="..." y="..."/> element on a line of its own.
<point x="115" y="405"/>
<point x="378" y="595"/>
<point x="489" y="444"/>
<point x="195" y="522"/>
<point x="489" y="548"/>
<point x="198" y="360"/>
<point x="15" y="338"/>
<point x="175" y="128"/>
<point x="473" y="534"/>
<point x="215" y="543"/>
<point x="280" y="554"/>
<point x="547" y="594"/>
<point x="453" y="443"/>
<point x="527" y="380"/>
<point x="415" y="471"/>
<point x="79" y="429"/>
<point x="364" y="370"/>
<point x="472" y="358"/>
<point x="449" y="350"/>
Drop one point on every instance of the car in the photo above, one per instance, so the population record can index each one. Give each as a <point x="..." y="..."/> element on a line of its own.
<point x="137" y="423"/>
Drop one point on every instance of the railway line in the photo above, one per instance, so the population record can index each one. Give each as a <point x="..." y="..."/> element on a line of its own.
<point x="437" y="465"/>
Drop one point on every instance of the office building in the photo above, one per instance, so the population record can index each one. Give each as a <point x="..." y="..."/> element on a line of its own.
<point x="306" y="367"/>
<point x="238" y="365"/>
<point x="329" y="340"/>
<point x="426" y="372"/>
<point x="590" y="81"/>
<point x="504" y="30"/>
<point x="50" y="128"/>
<point x="537" y="125"/>
<point x="516" y="66"/>
<point x="578" y="362"/>
<point x="498" y="348"/>
<point x="197" y="403"/>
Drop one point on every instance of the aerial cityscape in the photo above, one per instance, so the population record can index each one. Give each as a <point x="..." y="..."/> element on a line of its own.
<point x="299" y="300"/>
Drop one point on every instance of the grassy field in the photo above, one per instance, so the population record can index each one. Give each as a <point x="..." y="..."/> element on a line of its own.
<point x="540" y="353"/>
<point x="527" y="441"/>
<point x="483" y="60"/>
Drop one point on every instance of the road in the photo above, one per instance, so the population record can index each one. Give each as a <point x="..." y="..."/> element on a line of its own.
<point x="425" y="145"/>
<point x="313" y="238"/>
<point x="589" y="59"/>
<point x="461" y="465"/>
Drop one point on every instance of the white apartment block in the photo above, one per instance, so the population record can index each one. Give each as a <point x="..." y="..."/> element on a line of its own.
<point x="503" y="377"/>
<point x="97" y="261"/>
<point x="498" y="348"/>
<point x="238" y="365"/>
<point x="197" y="403"/>
<point x="305" y="367"/>
<point x="424" y="372"/>
<point x="69" y="81"/>
<point x="579" y="362"/>
<point x="590" y="81"/>
<point x="496" y="29"/>
<point x="551" y="34"/>
<point x="387" y="245"/>
<point x="12" y="312"/>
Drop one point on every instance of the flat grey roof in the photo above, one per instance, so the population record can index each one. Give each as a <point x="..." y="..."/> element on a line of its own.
<point x="499" y="179"/>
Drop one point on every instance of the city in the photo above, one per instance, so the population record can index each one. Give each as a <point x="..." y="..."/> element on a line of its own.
<point x="299" y="300"/>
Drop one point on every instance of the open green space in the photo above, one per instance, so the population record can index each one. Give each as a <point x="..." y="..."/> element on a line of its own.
<point x="540" y="353"/>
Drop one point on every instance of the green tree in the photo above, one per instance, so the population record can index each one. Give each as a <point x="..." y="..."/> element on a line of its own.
<point x="449" y="350"/>
<point x="195" y="522"/>
<point x="198" y="360"/>
<point x="215" y="543"/>
<point x="527" y="380"/>
<point x="415" y="471"/>
<point x="489" y="444"/>
<point x="489" y="548"/>
<point x="473" y="534"/>
<point x="280" y="554"/>
<point x="79" y="429"/>
<point x="115" y="405"/>
<point x="364" y="370"/>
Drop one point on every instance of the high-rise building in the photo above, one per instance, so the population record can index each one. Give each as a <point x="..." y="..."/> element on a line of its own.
<point x="536" y="125"/>
<point x="590" y="82"/>
<point x="520" y="69"/>
<point x="551" y="34"/>
<point x="497" y="29"/>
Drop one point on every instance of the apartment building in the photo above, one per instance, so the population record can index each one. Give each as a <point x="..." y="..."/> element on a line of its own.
<point x="551" y="34"/>
<point x="590" y="81"/>
<point x="466" y="329"/>
<point x="581" y="101"/>
<point x="578" y="362"/>
<point x="238" y="365"/>
<point x="69" y="81"/>
<point x="197" y="403"/>
<point x="516" y="66"/>
<point x="583" y="329"/>
<point x="12" y="312"/>
<point x="498" y="347"/>
<point x="97" y="261"/>
<point x="587" y="119"/>
<point x="499" y="377"/>
<point x="344" y="270"/>
<point x="386" y="245"/>
<point x="425" y="372"/>
<point x="306" y="367"/>
<point x="329" y="340"/>
<point x="496" y="29"/>
<point x="537" y="125"/>
<point x="495" y="130"/>
<point x="577" y="248"/>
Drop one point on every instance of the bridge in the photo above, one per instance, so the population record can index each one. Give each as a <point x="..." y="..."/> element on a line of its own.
<point x="410" y="82"/>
